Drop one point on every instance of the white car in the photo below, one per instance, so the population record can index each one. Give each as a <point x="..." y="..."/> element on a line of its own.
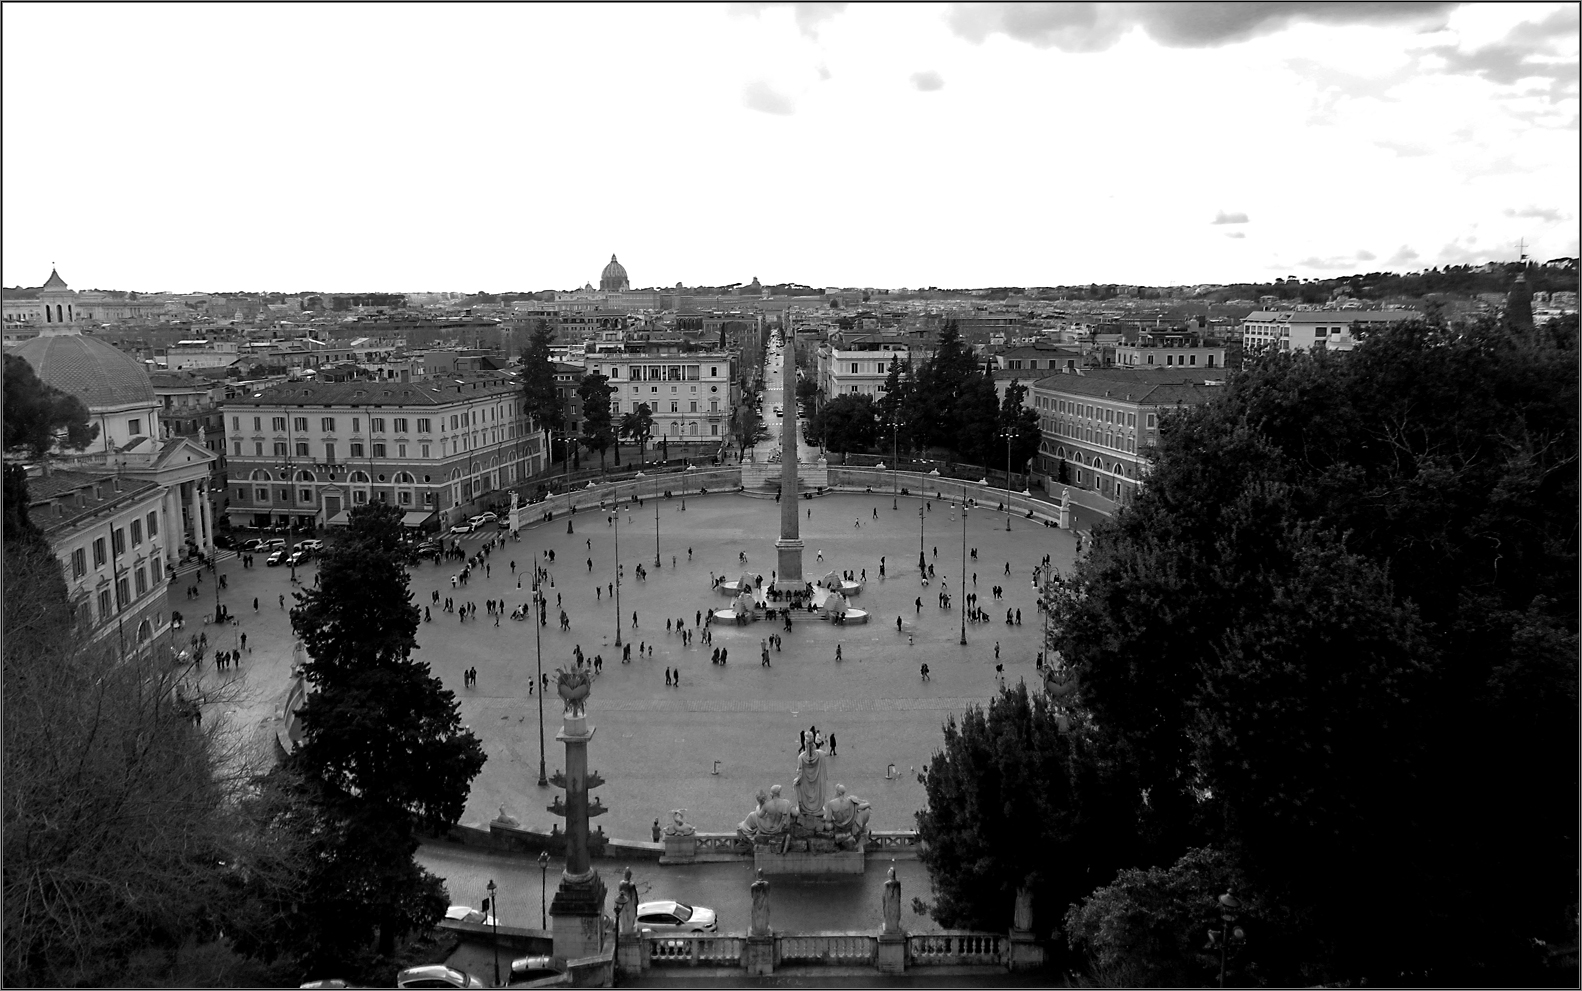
<point x="465" y="526"/>
<point x="487" y="517"/>
<point x="311" y="545"/>
<point x="466" y="913"/>
<point x="668" y="918"/>
<point x="437" y="975"/>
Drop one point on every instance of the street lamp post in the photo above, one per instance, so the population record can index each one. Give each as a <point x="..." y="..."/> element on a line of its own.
<point x="895" y="464"/>
<point x="538" y="649"/>
<point x="1229" y="911"/>
<point x="617" y="565"/>
<point x="543" y="888"/>
<point x="963" y="570"/>
<point x="494" y="917"/>
<point x="656" y="522"/>
<point x="922" y="559"/>
<point x="1007" y="481"/>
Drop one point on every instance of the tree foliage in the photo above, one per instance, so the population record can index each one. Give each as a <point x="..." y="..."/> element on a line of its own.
<point x="598" y="430"/>
<point x="846" y="423"/>
<point x="123" y="832"/>
<point x="638" y="425"/>
<point x="1338" y="572"/>
<point x="748" y="427"/>
<point x="540" y="397"/>
<point x="383" y="752"/>
<point x="40" y="416"/>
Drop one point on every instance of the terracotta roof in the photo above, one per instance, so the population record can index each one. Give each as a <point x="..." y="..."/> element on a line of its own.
<point x="1141" y="388"/>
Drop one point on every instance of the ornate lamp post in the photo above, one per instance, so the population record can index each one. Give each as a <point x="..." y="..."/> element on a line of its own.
<point x="963" y="572"/>
<point x="543" y="889"/>
<point x="895" y="464"/>
<point x="494" y="918"/>
<point x="1228" y="932"/>
<point x="1007" y="481"/>
<point x="922" y="559"/>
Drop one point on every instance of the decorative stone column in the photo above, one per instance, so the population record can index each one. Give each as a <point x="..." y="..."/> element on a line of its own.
<point x="576" y="916"/>
<point x="760" y="956"/>
<point x="206" y="535"/>
<point x="892" y="941"/>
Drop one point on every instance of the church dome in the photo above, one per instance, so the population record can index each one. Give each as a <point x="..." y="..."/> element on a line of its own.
<point x="93" y="371"/>
<point x="614" y="277"/>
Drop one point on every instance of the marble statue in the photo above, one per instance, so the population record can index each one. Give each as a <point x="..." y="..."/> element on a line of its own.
<point x="680" y="826"/>
<point x="1065" y="496"/>
<point x="760" y="917"/>
<point x="751" y="827"/>
<point x="847" y="818"/>
<point x="1023" y="919"/>
<point x="892" y="903"/>
<point x="628" y="917"/>
<point x="505" y="819"/>
<point x="810" y="780"/>
<point x="776" y="814"/>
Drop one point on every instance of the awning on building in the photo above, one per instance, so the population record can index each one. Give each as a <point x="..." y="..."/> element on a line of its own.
<point x="415" y="520"/>
<point x="341" y="518"/>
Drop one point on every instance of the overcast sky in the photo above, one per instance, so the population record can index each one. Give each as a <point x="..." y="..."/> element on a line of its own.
<point x="501" y="147"/>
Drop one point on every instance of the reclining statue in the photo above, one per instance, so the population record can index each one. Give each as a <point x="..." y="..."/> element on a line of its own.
<point x="847" y="818"/>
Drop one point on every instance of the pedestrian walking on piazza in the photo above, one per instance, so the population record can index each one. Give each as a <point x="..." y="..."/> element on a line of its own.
<point x="832" y="745"/>
<point x="837" y="652"/>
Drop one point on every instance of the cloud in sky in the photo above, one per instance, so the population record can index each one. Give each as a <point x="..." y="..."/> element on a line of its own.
<point x="1404" y="256"/>
<point x="1409" y="149"/>
<point x="1537" y="213"/>
<point x="1335" y="262"/>
<point x="1094" y="27"/>
<point x="759" y="95"/>
<point x="809" y="16"/>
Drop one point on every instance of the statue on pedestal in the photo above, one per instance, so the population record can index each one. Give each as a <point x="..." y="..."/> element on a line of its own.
<point x="810" y="780"/>
<point x="573" y="684"/>
<point x="892" y="903"/>
<point x="760" y="917"/>
<point x="628" y="914"/>
<point x="679" y="827"/>
<point x="1023" y="919"/>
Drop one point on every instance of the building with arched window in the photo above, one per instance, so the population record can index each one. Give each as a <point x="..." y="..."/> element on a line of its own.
<point x="440" y="449"/>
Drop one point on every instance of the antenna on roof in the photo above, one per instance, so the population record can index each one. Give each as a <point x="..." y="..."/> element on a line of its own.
<point x="1521" y="250"/>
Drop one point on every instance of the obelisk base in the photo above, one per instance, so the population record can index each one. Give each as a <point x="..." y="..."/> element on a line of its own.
<point x="790" y="560"/>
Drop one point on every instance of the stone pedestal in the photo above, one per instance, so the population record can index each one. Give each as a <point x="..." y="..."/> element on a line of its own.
<point x="800" y="862"/>
<point x="1026" y="952"/>
<point x="759" y="957"/>
<point x="680" y="849"/>
<point x="892" y="954"/>
<point x="630" y="960"/>
<point x="789" y="552"/>
<point x="576" y="916"/>
<point x="1063" y="516"/>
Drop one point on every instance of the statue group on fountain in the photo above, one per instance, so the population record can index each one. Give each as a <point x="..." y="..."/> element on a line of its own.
<point x="814" y="823"/>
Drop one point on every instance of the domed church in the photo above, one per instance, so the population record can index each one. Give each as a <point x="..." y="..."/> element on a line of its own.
<point x="614" y="278"/>
<point x="126" y="513"/>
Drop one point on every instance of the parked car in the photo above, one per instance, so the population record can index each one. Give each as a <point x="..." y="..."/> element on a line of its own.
<point x="466" y="913"/>
<point x="437" y="975"/>
<point x="533" y="968"/>
<point x="487" y="517"/>
<point x="298" y="558"/>
<point x="665" y="918"/>
<point x="430" y="547"/>
<point x="278" y="557"/>
<point x="315" y="545"/>
<point x="252" y="546"/>
<point x="273" y="545"/>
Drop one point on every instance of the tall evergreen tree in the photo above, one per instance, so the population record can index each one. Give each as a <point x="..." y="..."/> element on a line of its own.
<point x="598" y="429"/>
<point x="540" y="398"/>
<point x="38" y="416"/>
<point x="383" y="752"/>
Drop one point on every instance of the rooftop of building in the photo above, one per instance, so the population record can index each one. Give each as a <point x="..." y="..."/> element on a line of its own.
<point x="67" y="496"/>
<point x="1164" y="387"/>
<point x="99" y="374"/>
<point x="441" y="391"/>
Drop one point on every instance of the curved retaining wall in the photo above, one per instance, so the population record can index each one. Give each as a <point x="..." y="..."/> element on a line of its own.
<point x="988" y="498"/>
<point x="678" y="483"/>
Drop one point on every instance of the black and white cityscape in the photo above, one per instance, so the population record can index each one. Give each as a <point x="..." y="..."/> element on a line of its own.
<point x="987" y="494"/>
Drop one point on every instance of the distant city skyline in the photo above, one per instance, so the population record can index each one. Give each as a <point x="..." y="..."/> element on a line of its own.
<point x="515" y="148"/>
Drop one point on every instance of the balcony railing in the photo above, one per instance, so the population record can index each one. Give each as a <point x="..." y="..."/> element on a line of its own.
<point x="698" y="949"/>
<point x="834" y="949"/>
<point x="956" y="948"/>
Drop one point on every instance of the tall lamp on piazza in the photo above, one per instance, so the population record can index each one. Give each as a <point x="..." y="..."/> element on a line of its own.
<point x="494" y="918"/>
<point x="964" y="569"/>
<point x="538" y="648"/>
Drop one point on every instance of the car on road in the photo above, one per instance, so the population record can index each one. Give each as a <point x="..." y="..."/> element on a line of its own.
<point x="298" y="558"/>
<point x="487" y="517"/>
<point x="437" y="975"/>
<point x="251" y="546"/>
<point x="465" y="526"/>
<point x="667" y="918"/>
<point x="312" y="546"/>
<point x="278" y="557"/>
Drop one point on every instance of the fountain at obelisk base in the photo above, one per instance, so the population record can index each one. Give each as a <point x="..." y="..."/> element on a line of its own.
<point x="576" y="916"/>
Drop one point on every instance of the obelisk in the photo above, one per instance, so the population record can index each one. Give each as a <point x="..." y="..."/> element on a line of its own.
<point x="789" y="546"/>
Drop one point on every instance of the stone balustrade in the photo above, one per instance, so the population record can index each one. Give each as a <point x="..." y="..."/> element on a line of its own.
<point x="697" y="949"/>
<point x="956" y="948"/>
<point x="833" y="949"/>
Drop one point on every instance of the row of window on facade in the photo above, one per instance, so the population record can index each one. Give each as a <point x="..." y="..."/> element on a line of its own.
<point x="116" y="545"/>
<point x="664" y="373"/>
